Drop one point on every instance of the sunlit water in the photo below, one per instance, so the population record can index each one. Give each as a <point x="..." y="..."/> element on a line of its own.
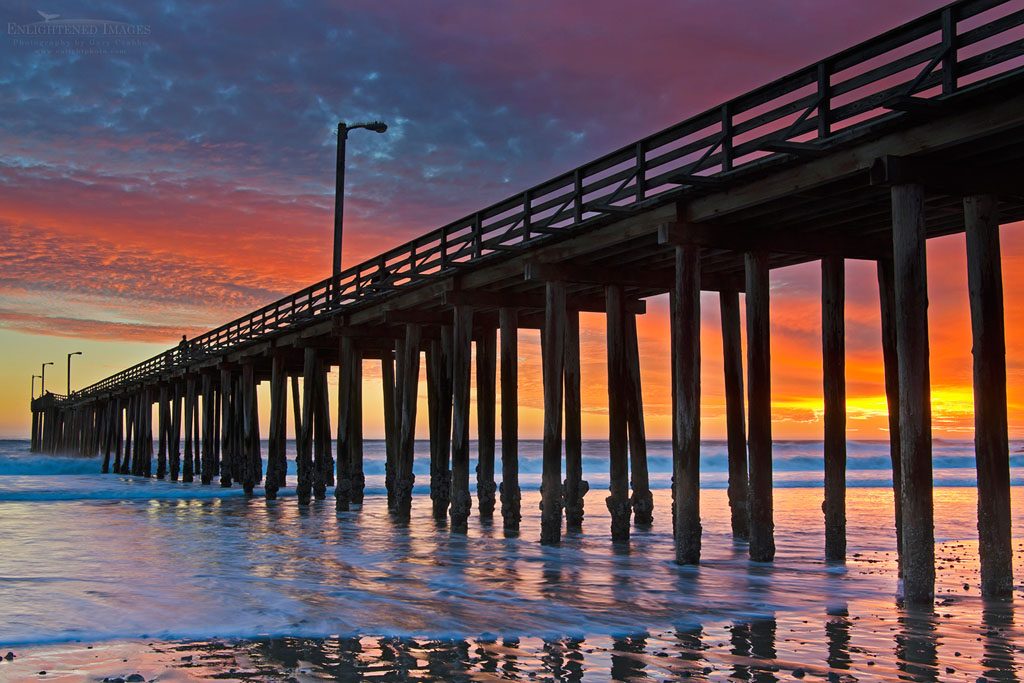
<point x="184" y="580"/>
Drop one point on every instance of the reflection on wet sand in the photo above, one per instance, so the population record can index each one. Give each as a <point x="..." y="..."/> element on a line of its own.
<point x="412" y="599"/>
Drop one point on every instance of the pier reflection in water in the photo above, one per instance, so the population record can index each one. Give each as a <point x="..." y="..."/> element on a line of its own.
<point x="205" y="586"/>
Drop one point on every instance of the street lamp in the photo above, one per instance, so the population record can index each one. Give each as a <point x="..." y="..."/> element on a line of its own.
<point x="74" y="353"/>
<point x="42" y="376"/>
<point x="339" y="187"/>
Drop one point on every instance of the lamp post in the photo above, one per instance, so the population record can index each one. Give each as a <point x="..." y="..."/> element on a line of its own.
<point x="339" y="189"/>
<point x="73" y="353"/>
<point x="42" y="377"/>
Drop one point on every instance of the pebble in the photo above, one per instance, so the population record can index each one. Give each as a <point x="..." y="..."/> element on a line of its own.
<point x="799" y="673"/>
<point x="9" y="656"/>
<point x="135" y="678"/>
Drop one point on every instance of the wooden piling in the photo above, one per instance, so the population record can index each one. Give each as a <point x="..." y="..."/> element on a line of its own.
<point x="574" y="488"/>
<point x="346" y="378"/>
<point x="228" y="425"/>
<point x="207" y="453"/>
<point x="833" y="354"/>
<point x="984" y="276"/>
<point x="323" y="463"/>
<point x="409" y="378"/>
<point x="387" y="373"/>
<point x="461" y="502"/>
<point x="887" y="301"/>
<point x="618" y="446"/>
<point x="735" y="414"/>
<point x="34" y="442"/>
<point x="218" y="427"/>
<point x="439" y="403"/>
<point x="304" y="442"/>
<point x="277" y="463"/>
<point x="118" y="433"/>
<point x="190" y="398"/>
<point x="553" y="370"/>
<point x="108" y="438"/>
<point x="147" y="461"/>
<point x="759" y="407"/>
<point x="510" y="494"/>
<point x="249" y="429"/>
<point x="196" y="451"/>
<point x="163" y="426"/>
<point x="642" y="499"/>
<point x="129" y="434"/>
<point x="486" y="370"/>
<point x="684" y="323"/>
<point x="174" y="445"/>
<point x="915" y="392"/>
<point x="356" y="436"/>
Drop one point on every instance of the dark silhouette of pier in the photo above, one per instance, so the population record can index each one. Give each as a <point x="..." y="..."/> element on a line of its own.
<point x="914" y="134"/>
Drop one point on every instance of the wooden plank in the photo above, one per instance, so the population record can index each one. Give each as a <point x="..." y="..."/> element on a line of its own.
<point x="759" y="407"/>
<point x="553" y="368"/>
<point x="618" y="389"/>
<point x="833" y="353"/>
<point x="685" y="342"/>
<point x="984" y="271"/>
<point x="956" y="128"/>
<point x="462" y="340"/>
<point x="486" y="370"/>
<point x="915" y="393"/>
<point x="743" y="238"/>
<point x="486" y="299"/>
<point x="510" y="494"/>
<point x="953" y="179"/>
<point x="597" y="275"/>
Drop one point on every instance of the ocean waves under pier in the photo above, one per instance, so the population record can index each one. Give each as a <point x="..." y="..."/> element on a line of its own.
<point x="125" y="563"/>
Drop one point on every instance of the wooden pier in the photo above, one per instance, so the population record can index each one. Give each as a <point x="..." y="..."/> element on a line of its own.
<point x="915" y="134"/>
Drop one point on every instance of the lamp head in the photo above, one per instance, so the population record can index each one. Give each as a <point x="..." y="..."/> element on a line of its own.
<point x="375" y="126"/>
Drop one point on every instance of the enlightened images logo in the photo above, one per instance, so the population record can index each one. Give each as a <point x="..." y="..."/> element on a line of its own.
<point x="56" y="35"/>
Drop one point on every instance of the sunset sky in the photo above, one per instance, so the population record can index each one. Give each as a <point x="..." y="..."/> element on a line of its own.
<point x="166" y="190"/>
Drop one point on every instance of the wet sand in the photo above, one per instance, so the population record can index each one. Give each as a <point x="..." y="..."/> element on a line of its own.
<point x="423" y="604"/>
<point x="843" y="645"/>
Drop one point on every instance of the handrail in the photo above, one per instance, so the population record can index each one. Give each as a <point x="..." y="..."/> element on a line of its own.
<point x="932" y="57"/>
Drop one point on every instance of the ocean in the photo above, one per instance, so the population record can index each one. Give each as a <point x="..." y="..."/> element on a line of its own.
<point x="105" y="576"/>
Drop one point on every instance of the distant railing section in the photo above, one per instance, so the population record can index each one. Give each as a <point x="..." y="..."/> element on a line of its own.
<point x="909" y="68"/>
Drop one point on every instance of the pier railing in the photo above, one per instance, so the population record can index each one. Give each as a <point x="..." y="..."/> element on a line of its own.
<point x="907" y="71"/>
